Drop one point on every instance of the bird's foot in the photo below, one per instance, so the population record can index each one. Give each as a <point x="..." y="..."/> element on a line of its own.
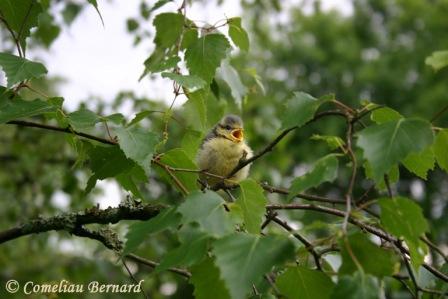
<point x="243" y="157"/>
<point x="204" y="184"/>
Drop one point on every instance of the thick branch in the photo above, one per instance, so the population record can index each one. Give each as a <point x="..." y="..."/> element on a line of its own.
<point x="106" y="236"/>
<point x="72" y="221"/>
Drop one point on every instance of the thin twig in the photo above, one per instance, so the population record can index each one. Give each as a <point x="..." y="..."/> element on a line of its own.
<point x="308" y="246"/>
<point x="387" y="183"/>
<point x="403" y="282"/>
<point x="309" y="197"/>
<point x="58" y="129"/>
<point x="370" y="228"/>
<point x="272" y="284"/>
<point x="349" y="193"/>
<point x="439" y="114"/>
<point x="282" y="135"/>
<point x="133" y="277"/>
<point x="35" y="90"/>
<point x="153" y="264"/>
<point x="363" y="113"/>
<point x="23" y="24"/>
<point x="16" y="41"/>
<point x="434" y="247"/>
<point x="167" y="169"/>
<point x="408" y="267"/>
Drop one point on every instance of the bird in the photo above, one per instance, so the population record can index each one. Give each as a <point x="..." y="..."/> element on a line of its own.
<point x="221" y="150"/>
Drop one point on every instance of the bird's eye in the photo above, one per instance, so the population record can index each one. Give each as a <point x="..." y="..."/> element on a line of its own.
<point x="228" y="127"/>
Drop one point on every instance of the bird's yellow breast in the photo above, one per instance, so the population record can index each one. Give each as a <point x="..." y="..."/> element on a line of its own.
<point x="220" y="156"/>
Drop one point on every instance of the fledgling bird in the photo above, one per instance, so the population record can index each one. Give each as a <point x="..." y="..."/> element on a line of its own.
<point x="222" y="149"/>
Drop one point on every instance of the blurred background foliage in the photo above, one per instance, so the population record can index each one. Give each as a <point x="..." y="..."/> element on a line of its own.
<point x="377" y="53"/>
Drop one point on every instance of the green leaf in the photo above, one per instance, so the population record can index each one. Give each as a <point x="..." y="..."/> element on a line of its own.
<point x="195" y="110"/>
<point x="207" y="209"/>
<point x="205" y="54"/>
<point x="105" y="162"/>
<point x="206" y="280"/>
<point x="437" y="60"/>
<point x="303" y="283"/>
<point x="189" y="81"/>
<point x="70" y="12"/>
<point x="244" y="258"/>
<point x="83" y="119"/>
<point x="178" y="158"/>
<point x="138" y="145"/>
<point x="388" y="143"/>
<point x="393" y="174"/>
<point x="238" y="34"/>
<point x="48" y="30"/>
<point x="441" y="149"/>
<point x="116" y="118"/>
<point x="139" y="231"/>
<point x="131" y="179"/>
<point x="187" y="254"/>
<point x="18" y="108"/>
<point x="169" y="27"/>
<point x="385" y="262"/>
<point x="252" y="202"/>
<point x="300" y="109"/>
<point x="19" y="69"/>
<point x="190" y="143"/>
<point x="159" y="4"/>
<point x="385" y="114"/>
<point x="139" y="117"/>
<point x="231" y="77"/>
<point x="158" y="62"/>
<point x="126" y="181"/>
<point x="403" y="218"/>
<point x="95" y="5"/>
<point x="357" y="286"/>
<point x="324" y="170"/>
<point x="420" y="163"/>
<point x="132" y="24"/>
<point x="189" y="37"/>
<point x="333" y="142"/>
<point x="21" y="16"/>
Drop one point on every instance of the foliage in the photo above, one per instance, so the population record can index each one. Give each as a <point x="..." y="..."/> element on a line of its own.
<point x="349" y="197"/>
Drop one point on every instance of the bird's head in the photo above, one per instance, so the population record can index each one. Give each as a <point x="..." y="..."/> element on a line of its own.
<point x="231" y="127"/>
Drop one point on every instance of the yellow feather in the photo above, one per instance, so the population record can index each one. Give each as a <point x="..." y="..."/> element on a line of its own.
<point x="220" y="156"/>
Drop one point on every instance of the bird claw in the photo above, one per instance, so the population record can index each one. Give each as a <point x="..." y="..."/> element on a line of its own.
<point x="204" y="184"/>
<point x="243" y="157"/>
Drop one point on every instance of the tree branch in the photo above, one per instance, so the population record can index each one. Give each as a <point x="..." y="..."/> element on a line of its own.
<point x="349" y="193"/>
<point x="16" y="41"/>
<point x="367" y="227"/>
<point x="282" y="135"/>
<point x="308" y="246"/>
<point x="58" y="129"/>
<point x="72" y="222"/>
<point x="106" y="236"/>
<point x="439" y="114"/>
<point x="152" y="265"/>
<point x="23" y="24"/>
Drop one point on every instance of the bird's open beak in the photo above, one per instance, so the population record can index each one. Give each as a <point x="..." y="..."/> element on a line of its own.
<point x="237" y="135"/>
